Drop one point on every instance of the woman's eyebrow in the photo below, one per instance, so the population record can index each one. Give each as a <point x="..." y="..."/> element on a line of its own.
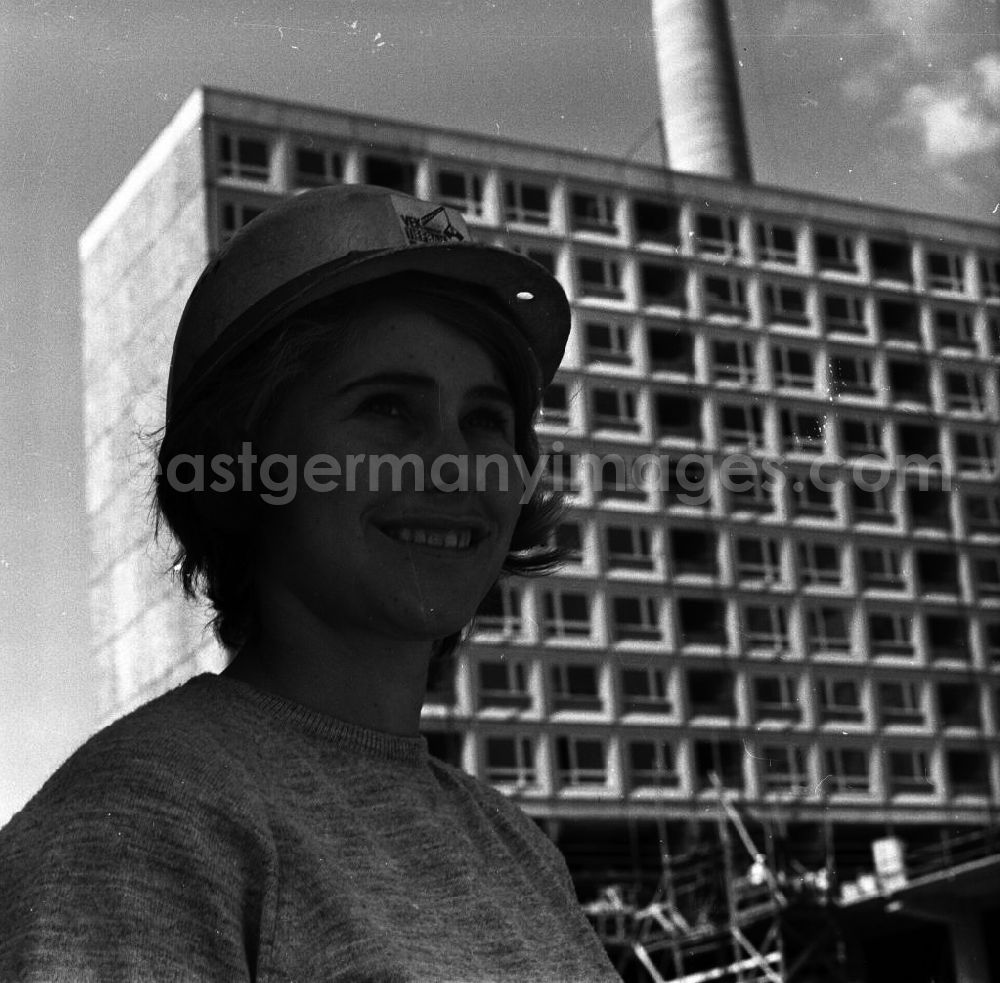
<point x="415" y="380"/>
<point x="412" y="380"/>
<point x="489" y="391"/>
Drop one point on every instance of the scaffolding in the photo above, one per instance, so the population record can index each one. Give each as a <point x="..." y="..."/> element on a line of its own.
<point x="724" y="912"/>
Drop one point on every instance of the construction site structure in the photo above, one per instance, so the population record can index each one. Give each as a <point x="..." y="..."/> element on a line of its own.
<point x="724" y="911"/>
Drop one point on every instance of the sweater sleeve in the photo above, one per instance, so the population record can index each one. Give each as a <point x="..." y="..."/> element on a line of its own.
<point x="138" y="860"/>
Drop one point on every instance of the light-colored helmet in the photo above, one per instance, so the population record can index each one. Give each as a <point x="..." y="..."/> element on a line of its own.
<point x="321" y="242"/>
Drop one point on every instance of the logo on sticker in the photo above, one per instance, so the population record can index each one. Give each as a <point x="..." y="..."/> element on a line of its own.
<point x="434" y="227"/>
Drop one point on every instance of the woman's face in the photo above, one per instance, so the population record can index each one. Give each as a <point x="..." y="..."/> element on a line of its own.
<point x="378" y="553"/>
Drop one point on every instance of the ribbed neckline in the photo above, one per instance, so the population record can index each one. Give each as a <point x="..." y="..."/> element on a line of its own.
<point x="347" y="736"/>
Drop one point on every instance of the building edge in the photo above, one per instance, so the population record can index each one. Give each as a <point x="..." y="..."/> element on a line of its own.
<point x="184" y="120"/>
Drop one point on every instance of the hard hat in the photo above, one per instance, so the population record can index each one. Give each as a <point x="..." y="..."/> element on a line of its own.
<point x="321" y="242"/>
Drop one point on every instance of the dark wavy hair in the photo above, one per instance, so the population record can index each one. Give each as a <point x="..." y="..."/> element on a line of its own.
<point x="215" y="556"/>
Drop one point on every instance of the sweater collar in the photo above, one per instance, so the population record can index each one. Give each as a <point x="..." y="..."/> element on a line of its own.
<point x="345" y="735"/>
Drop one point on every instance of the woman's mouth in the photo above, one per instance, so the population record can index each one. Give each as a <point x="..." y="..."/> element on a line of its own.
<point x="452" y="540"/>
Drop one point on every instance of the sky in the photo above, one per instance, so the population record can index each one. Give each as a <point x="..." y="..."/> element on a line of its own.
<point x="895" y="102"/>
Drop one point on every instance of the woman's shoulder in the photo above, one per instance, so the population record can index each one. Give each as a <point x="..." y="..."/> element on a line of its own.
<point x="151" y="830"/>
<point x="174" y="749"/>
<point x="506" y="816"/>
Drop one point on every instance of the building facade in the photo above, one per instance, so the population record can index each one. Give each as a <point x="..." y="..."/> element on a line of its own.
<point x="776" y="425"/>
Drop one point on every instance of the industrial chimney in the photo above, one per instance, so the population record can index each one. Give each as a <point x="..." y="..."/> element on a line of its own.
<point x="699" y="94"/>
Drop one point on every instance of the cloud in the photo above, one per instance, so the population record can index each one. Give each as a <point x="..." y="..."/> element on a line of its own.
<point x="987" y="69"/>
<point x="959" y="116"/>
<point x="948" y="106"/>
<point x="953" y="126"/>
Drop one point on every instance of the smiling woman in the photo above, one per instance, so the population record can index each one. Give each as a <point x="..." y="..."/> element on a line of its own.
<point x="284" y="820"/>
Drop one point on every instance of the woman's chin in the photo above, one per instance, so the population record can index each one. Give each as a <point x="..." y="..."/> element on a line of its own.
<point x="438" y="623"/>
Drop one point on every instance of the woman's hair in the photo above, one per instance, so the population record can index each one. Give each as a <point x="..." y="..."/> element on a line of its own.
<point x="214" y="530"/>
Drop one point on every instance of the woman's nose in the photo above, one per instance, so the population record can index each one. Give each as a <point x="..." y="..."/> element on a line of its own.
<point x="446" y="458"/>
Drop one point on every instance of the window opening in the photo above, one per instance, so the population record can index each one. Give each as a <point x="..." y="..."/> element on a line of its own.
<point x="851" y="375"/>
<point x="702" y="621"/>
<point x="717" y="235"/>
<point x="526" y="202"/>
<point x="635" y="619"/>
<point x="741" y="425"/>
<point x="889" y="634"/>
<point x="510" y="760"/>
<point x="900" y="704"/>
<point x="663" y="285"/>
<point x="953" y="329"/>
<point x="656" y="222"/>
<point x="317" y="168"/>
<point x="910" y="773"/>
<point x="758" y="559"/>
<point x="784" y="769"/>
<point x="503" y="683"/>
<point x="567" y="615"/>
<point x="881" y="568"/>
<point x="792" y="368"/>
<point x="462" y="191"/>
<point x="946" y="271"/>
<point x="607" y="342"/>
<point x="909" y="382"/>
<point x="937" y="572"/>
<point x="614" y="408"/>
<point x="900" y="320"/>
<point x="391" y="172"/>
<point x="765" y="628"/>
<point x="835" y="252"/>
<point x="593" y="213"/>
<point x="725" y="295"/>
<point x="839" y="701"/>
<point x="555" y="405"/>
<point x="678" y="416"/>
<point x="958" y="705"/>
<point x="652" y="764"/>
<point x="776" y="243"/>
<point x="846" y="770"/>
<point x="644" y="690"/>
<point x="694" y="551"/>
<point x="820" y="562"/>
<point x="629" y="548"/>
<point x="724" y="759"/>
<point x="575" y="687"/>
<point x="947" y="637"/>
<point x="581" y="761"/>
<point x="777" y="698"/>
<point x="734" y="361"/>
<point x="828" y="630"/>
<point x="891" y="261"/>
<point x="245" y="158"/>
<point x="671" y="350"/>
<point x="802" y="431"/>
<point x="786" y="304"/>
<point x="844" y="314"/>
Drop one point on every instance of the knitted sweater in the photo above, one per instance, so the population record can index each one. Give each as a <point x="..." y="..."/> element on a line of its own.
<point x="222" y="833"/>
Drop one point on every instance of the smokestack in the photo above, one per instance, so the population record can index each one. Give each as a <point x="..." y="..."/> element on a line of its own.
<point x="699" y="94"/>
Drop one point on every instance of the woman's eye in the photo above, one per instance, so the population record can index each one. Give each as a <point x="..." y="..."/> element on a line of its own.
<point x="383" y="406"/>
<point x="487" y="419"/>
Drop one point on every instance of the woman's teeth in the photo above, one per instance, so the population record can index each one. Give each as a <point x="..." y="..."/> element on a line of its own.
<point x="433" y="537"/>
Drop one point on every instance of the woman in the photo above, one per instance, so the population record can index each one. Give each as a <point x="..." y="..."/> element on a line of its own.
<point x="345" y="466"/>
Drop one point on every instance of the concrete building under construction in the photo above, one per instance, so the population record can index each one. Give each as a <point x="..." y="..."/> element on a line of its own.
<point x="782" y="660"/>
